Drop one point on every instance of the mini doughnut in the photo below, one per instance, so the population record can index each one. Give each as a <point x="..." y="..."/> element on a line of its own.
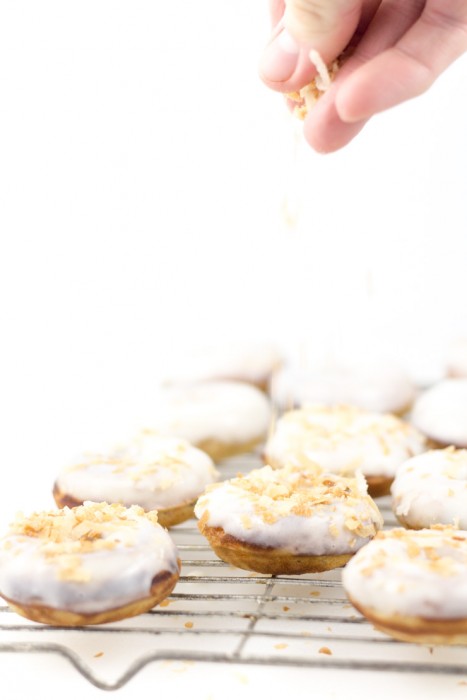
<point x="252" y="363"/>
<point x="287" y="521"/>
<point x="342" y="439"/>
<point x="384" y="389"/>
<point x="155" y="472"/>
<point x="441" y="413"/>
<point x="221" y="418"/>
<point x="431" y="489"/>
<point x="456" y="359"/>
<point x="412" y="584"/>
<point x="87" y="565"/>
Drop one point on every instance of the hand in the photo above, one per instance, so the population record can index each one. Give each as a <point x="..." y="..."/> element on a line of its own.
<point x="399" y="48"/>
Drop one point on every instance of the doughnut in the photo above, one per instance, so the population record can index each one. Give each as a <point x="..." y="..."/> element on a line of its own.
<point x="456" y="359"/>
<point x="432" y="488"/>
<point x="287" y="521"/>
<point x="252" y="363"/>
<point x="155" y="472"/>
<point x="412" y="584"/>
<point x="87" y="565"/>
<point x="221" y="418"/>
<point x="441" y="413"/>
<point x="384" y="389"/>
<point x="342" y="439"/>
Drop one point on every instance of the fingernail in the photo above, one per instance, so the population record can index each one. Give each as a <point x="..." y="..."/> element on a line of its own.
<point x="279" y="59"/>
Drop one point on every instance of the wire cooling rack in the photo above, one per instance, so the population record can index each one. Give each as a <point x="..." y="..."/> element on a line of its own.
<point x="220" y="614"/>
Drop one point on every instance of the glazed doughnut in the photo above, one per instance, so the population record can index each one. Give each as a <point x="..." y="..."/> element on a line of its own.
<point x="431" y="489"/>
<point x="87" y="565"/>
<point x="252" y="363"/>
<point x="155" y="472"/>
<point x="384" y="389"/>
<point x="441" y="413"/>
<point x="456" y="360"/>
<point x="287" y="521"/>
<point x="412" y="584"/>
<point x="342" y="439"/>
<point x="221" y="418"/>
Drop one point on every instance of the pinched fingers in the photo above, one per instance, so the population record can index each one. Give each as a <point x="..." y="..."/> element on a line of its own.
<point x="410" y="66"/>
<point x="323" y="25"/>
<point x="405" y="48"/>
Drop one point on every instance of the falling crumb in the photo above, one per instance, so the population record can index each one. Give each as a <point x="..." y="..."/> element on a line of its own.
<point x="305" y="633"/>
<point x="315" y="594"/>
<point x="328" y="629"/>
<point x="188" y="625"/>
<point x="99" y="654"/>
<point x="178" y="666"/>
<point x="165" y="603"/>
<point x="285" y="608"/>
<point x="242" y="678"/>
<point x="280" y="646"/>
<point x="325" y="650"/>
<point x="347" y="607"/>
<point x="184" y="667"/>
<point x="462" y="683"/>
<point x="430" y="649"/>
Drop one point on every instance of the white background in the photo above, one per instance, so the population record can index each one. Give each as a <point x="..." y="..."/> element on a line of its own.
<point x="155" y="196"/>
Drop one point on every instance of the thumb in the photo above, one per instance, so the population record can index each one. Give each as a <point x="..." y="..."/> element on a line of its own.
<point x="321" y="23"/>
<point x="324" y="25"/>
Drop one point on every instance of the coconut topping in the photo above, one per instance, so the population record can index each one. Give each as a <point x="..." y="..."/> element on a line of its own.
<point x="307" y="97"/>
<point x="87" y="528"/>
<point x="299" y="510"/>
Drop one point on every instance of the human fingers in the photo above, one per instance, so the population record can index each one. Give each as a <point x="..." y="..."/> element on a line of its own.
<point x="410" y="67"/>
<point x="324" y="129"/>
<point x="323" y="25"/>
<point x="276" y="11"/>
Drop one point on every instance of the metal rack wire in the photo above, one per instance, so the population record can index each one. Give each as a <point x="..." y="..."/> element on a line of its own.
<point x="224" y="615"/>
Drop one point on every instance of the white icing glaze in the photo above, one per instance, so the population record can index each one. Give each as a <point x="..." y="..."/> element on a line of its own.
<point x="432" y="488"/>
<point x="419" y="573"/>
<point x="292" y="509"/>
<point x="342" y="439"/>
<point x="381" y="389"/>
<point x="231" y="412"/>
<point x="102" y="579"/>
<point x="456" y="359"/>
<point x="441" y="412"/>
<point x="249" y="362"/>
<point x="152" y="471"/>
